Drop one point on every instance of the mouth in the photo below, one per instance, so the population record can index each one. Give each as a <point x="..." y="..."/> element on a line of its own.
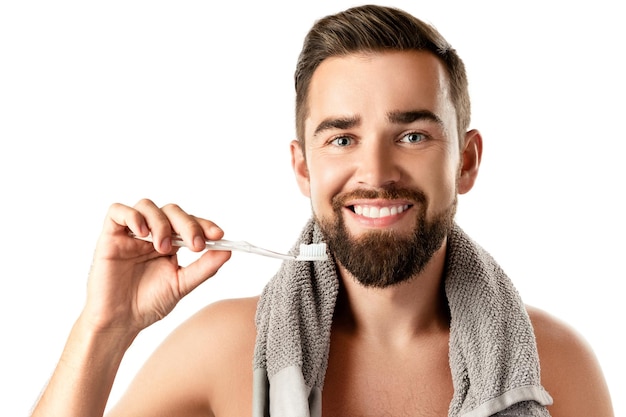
<point x="378" y="211"/>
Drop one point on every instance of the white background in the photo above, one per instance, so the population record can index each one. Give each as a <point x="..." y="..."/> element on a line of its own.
<point x="192" y="102"/>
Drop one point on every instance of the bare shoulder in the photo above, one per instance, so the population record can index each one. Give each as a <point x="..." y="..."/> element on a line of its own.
<point x="226" y="317"/>
<point x="199" y="366"/>
<point x="569" y="369"/>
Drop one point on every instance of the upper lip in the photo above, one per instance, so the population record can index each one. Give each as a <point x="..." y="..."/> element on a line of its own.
<point x="378" y="203"/>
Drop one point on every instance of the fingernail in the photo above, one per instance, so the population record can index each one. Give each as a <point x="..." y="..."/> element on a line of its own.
<point x="166" y="243"/>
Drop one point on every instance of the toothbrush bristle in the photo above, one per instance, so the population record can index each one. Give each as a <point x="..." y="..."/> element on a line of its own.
<point x="313" y="252"/>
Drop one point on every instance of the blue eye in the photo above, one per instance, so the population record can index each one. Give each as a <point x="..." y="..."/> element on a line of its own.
<point x="413" y="137"/>
<point x="342" y="141"/>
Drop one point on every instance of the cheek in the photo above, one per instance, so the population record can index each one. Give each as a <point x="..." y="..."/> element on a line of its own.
<point x="439" y="181"/>
<point x="326" y="181"/>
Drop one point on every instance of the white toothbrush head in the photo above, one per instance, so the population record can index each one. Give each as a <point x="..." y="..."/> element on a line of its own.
<point x="312" y="252"/>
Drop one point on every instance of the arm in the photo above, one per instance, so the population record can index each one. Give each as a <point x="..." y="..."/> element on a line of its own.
<point x="132" y="284"/>
<point x="570" y="371"/>
<point x="85" y="372"/>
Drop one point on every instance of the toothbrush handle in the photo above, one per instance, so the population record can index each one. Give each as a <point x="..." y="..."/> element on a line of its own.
<point x="241" y="246"/>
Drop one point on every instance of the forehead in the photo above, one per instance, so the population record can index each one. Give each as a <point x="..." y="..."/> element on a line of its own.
<point x="372" y="84"/>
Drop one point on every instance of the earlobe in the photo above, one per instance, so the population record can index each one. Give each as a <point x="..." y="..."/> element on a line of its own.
<point x="298" y="163"/>
<point x="470" y="161"/>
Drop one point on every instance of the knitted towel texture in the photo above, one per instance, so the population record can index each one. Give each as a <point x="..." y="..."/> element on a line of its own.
<point x="493" y="355"/>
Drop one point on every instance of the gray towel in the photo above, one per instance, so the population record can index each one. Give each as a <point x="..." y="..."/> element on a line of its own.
<point x="493" y="355"/>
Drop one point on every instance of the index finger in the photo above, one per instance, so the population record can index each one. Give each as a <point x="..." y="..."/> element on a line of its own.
<point x="193" y="230"/>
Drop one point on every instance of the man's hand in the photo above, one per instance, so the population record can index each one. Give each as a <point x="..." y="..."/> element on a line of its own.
<point x="134" y="283"/>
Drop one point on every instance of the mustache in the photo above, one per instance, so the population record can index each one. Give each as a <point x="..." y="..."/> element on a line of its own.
<point x="386" y="193"/>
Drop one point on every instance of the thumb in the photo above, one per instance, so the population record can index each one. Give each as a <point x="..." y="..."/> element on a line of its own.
<point x="203" y="268"/>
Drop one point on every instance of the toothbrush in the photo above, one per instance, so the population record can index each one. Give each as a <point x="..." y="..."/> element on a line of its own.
<point x="312" y="252"/>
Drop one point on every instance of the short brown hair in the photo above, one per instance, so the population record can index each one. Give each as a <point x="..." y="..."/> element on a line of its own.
<point x="373" y="28"/>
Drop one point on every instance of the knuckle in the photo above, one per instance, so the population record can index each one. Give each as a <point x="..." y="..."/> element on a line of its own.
<point x="171" y="207"/>
<point x="145" y="202"/>
<point x="116" y="207"/>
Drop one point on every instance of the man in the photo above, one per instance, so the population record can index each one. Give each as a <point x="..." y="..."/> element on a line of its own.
<point x="383" y="150"/>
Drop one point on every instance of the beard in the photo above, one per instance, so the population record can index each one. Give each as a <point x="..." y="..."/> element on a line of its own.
<point x="381" y="259"/>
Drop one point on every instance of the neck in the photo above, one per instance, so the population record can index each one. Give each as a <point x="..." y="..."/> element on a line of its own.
<point x="397" y="313"/>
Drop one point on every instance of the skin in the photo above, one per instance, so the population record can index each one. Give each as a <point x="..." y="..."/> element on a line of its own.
<point x="204" y="367"/>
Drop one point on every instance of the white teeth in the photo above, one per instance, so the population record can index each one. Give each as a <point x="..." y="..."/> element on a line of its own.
<point x="375" y="212"/>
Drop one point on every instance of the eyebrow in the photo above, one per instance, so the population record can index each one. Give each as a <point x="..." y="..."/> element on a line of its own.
<point x="341" y="123"/>
<point x="406" y="117"/>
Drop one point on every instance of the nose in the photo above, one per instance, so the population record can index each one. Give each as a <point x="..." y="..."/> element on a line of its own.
<point x="377" y="166"/>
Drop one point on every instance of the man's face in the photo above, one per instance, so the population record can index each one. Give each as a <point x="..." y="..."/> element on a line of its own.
<point x="381" y="161"/>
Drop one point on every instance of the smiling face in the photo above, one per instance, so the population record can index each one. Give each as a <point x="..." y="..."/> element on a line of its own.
<point x="381" y="162"/>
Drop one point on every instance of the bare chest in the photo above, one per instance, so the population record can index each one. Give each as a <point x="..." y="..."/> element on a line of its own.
<point x="364" y="382"/>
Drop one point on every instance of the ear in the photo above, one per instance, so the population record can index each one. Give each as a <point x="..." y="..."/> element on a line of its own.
<point x="470" y="161"/>
<point x="298" y="163"/>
